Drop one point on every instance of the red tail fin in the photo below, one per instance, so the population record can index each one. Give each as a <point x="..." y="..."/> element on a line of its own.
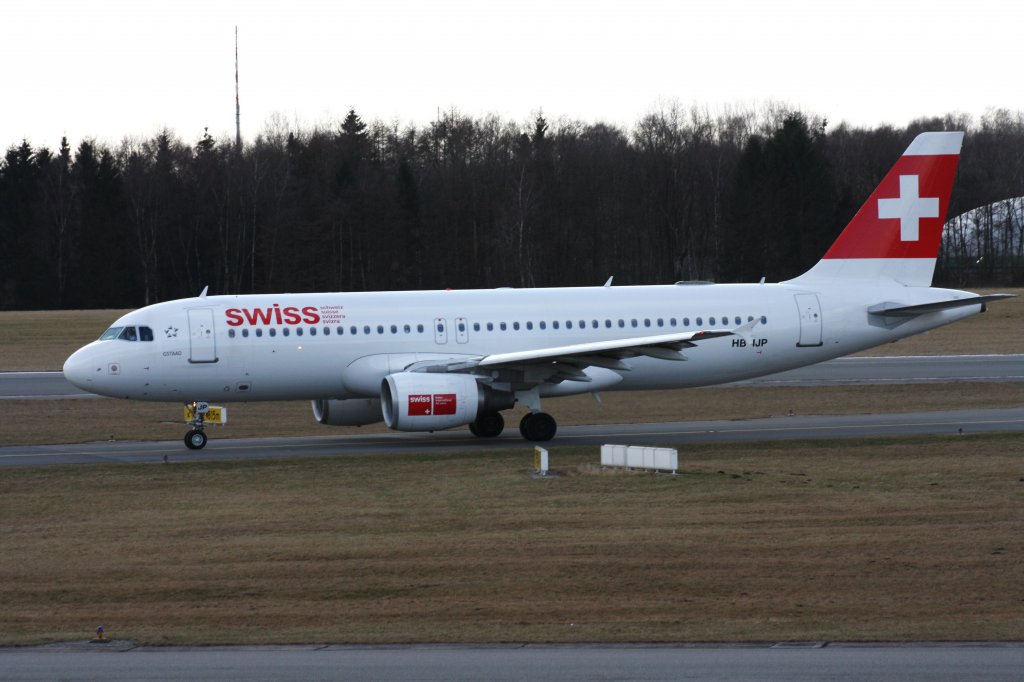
<point x="896" y="233"/>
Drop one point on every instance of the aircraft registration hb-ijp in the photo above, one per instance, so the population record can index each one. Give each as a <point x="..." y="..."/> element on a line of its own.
<point x="431" y="360"/>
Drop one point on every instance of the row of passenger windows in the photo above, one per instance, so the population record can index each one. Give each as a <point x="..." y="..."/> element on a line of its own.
<point x="326" y="331"/>
<point x="380" y="329"/>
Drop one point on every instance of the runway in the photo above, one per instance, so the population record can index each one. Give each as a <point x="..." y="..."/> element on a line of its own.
<point x="960" y="422"/>
<point x="838" y="372"/>
<point x="783" y="661"/>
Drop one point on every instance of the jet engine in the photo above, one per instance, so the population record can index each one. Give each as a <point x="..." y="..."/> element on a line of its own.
<point x="421" y="401"/>
<point x="352" y="412"/>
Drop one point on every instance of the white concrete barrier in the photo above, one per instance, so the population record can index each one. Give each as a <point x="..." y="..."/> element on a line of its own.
<point x="640" y="457"/>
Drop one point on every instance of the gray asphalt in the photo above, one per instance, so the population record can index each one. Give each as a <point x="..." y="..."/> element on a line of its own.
<point x="842" y="371"/>
<point x="960" y="422"/>
<point x="795" y="662"/>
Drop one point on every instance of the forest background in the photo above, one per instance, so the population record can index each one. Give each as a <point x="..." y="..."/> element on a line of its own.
<point x="468" y="202"/>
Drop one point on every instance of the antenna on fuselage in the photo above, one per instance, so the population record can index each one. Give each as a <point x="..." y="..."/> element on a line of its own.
<point x="609" y="282"/>
<point x="202" y="294"/>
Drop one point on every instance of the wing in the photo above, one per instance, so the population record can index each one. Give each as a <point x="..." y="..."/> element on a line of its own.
<point x="568" y="363"/>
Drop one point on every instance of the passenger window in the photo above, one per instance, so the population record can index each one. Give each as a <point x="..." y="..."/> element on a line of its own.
<point x="544" y="325"/>
<point x="633" y="323"/>
<point x="700" y="322"/>
<point x="259" y="333"/>
<point x="145" y="334"/>
<point x="312" y="331"/>
<point x="661" y="322"/>
<point x="273" y="332"/>
<point x="750" y="318"/>
<point x="568" y="324"/>
<point x="503" y="326"/>
<point x="366" y="329"/>
<point x="298" y="331"/>
<point x="764" y="320"/>
<point x="647" y="323"/>
<point x="285" y="332"/>
<point x="231" y="333"/>
<point x="380" y="329"/>
<point x="462" y="326"/>
<point x="245" y="333"/>
<point x="672" y="321"/>
<point x="554" y="324"/>
<point x="476" y="326"/>
<point x="419" y="328"/>
<point x="490" y="326"/>
<point x="327" y="331"/>
<point x="515" y="326"/>
<point x="608" y="324"/>
<point x="407" y="329"/>
<point x="738" y="321"/>
<point x="711" y="321"/>
<point x="686" y="322"/>
<point x="394" y="329"/>
<point x="529" y="325"/>
<point x="353" y="330"/>
<point x="622" y="323"/>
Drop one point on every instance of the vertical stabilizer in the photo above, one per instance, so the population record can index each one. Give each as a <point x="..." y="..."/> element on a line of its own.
<point x="896" y="234"/>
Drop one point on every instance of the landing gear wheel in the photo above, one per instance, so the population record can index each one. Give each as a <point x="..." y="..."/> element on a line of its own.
<point x="538" y="427"/>
<point x="488" y="425"/>
<point x="195" y="440"/>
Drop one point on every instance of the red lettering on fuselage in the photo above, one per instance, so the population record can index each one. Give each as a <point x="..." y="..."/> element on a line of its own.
<point x="275" y="314"/>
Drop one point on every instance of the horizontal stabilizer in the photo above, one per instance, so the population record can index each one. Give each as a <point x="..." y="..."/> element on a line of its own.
<point x="898" y="310"/>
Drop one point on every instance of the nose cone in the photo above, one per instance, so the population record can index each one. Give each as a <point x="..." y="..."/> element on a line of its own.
<point x="80" y="370"/>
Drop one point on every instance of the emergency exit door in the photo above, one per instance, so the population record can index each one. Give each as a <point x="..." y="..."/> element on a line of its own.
<point x="810" y="319"/>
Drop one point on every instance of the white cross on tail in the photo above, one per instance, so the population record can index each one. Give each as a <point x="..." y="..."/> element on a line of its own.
<point x="909" y="207"/>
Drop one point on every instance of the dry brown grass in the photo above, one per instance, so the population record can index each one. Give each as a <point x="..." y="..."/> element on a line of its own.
<point x="27" y="422"/>
<point x="43" y="340"/>
<point x="867" y="539"/>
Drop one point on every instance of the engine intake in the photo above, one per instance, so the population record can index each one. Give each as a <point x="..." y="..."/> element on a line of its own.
<point x="419" y="401"/>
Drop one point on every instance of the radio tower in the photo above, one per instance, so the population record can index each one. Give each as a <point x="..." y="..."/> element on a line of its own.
<point x="238" y="108"/>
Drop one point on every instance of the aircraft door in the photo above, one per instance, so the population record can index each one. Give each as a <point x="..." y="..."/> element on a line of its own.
<point x="201" y="337"/>
<point x="810" y="319"/>
<point x="461" y="330"/>
<point x="440" y="331"/>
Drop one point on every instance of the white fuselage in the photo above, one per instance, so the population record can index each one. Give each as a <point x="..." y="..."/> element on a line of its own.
<point x="341" y="345"/>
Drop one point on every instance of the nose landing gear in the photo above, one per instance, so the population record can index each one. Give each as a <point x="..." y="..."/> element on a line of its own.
<point x="196" y="438"/>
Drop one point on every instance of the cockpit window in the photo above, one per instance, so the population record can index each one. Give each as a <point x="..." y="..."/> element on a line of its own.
<point x="128" y="334"/>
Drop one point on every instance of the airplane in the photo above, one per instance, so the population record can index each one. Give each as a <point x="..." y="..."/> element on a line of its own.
<point x="433" y="360"/>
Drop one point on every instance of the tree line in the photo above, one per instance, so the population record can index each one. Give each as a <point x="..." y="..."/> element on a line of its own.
<point x="478" y="202"/>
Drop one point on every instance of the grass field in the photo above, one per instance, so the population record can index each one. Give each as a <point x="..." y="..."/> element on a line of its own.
<point x="857" y="539"/>
<point x="904" y="539"/>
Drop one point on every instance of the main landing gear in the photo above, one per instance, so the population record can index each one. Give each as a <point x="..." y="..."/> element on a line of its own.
<point x="539" y="427"/>
<point x="196" y="438"/>
<point x="535" y="426"/>
<point x="488" y="425"/>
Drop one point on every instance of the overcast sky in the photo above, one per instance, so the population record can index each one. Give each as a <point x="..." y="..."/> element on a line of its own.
<point x="106" y="69"/>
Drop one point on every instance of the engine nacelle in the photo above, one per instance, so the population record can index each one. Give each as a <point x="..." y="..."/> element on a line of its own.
<point x="352" y="412"/>
<point x="421" y="401"/>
